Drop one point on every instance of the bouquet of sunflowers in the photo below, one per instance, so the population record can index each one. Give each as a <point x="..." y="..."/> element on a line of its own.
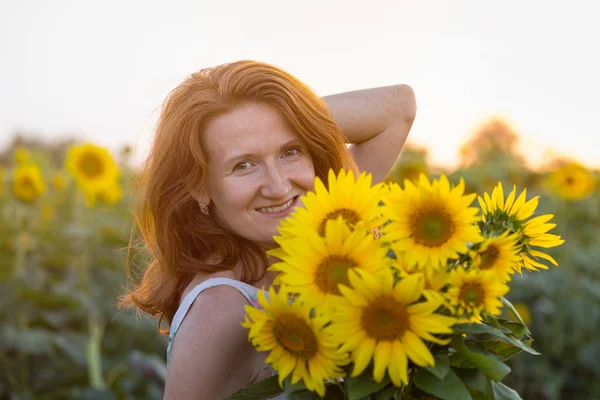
<point x="390" y="292"/>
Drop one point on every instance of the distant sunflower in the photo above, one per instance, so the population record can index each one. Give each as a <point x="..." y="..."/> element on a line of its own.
<point x="92" y="167"/>
<point x="298" y="345"/>
<point x="110" y="195"/>
<point x="473" y="292"/>
<point x="408" y="171"/>
<point x="498" y="254"/>
<point x="384" y="323"/>
<point x="315" y="266"/>
<point x="22" y="155"/>
<point x="431" y="222"/>
<point x="572" y="181"/>
<point x="515" y="213"/>
<point x="523" y="311"/>
<point x="28" y="183"/>
<point x="354" y="200"/>
<point x="59" y="182"/>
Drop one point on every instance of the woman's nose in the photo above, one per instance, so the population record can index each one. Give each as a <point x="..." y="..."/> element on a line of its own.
<point x="277" y="184"/>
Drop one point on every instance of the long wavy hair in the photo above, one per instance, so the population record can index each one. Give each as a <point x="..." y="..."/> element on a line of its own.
<point x="181" y="240"/>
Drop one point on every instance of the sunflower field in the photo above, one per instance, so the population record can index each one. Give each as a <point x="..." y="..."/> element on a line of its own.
<point x="65" y="231"/>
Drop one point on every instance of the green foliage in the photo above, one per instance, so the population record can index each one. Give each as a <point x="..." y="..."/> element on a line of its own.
<point x="62" y="269"/>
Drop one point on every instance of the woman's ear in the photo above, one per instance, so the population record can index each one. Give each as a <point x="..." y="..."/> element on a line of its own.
<point x="201" y="197"/>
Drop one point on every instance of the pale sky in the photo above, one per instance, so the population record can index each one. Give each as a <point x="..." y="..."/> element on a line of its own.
<point x="101" y="69"/>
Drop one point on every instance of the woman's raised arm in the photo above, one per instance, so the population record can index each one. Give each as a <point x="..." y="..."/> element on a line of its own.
<point x="376" y="121"/>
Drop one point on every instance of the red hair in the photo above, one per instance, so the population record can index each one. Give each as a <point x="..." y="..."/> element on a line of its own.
<point x="181" y="240"/>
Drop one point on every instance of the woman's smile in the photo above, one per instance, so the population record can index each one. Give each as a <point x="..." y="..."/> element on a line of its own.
<point x="279" y="211"/>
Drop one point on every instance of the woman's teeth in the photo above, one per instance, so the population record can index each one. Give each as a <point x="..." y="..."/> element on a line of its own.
<point x="278" y="208"/>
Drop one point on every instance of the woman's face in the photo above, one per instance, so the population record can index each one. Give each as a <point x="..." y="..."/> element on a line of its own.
<point x="258" y="167"/>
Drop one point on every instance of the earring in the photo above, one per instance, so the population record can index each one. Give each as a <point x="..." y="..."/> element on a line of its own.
<point x="204" y="209"/>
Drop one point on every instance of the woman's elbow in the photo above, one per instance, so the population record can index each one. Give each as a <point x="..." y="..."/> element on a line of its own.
<point x="404" y="103"/>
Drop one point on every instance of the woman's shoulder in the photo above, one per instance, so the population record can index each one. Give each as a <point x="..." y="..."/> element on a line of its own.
<point x="212" y="344"/>
<point x="213" y="318"/>
<point x="222" y="301"/>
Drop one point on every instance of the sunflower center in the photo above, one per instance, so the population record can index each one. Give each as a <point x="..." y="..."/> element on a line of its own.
<point x="489" y="257"/>
<point x="27" y="184"/>
<point x="432" y="227"/>
<point x="91" y="165"/>
<point x="385" y="319"/>
<point x="570" y="181"/>
<point x="472" y="294"/>
<point x="349" y="216"/>
<point x="296" y="336"/>
<point x="332" y="272"/>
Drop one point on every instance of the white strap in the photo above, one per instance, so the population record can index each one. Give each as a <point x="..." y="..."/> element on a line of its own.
<point x="189" y="299"/>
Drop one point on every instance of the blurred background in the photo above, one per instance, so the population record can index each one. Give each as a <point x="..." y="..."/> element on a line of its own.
<point x="506" y="92"/>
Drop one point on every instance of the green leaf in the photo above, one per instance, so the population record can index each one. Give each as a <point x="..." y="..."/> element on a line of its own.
<point x="298" y="391"/>
<point x="385" y="394"/>
<point x="489" y="318"/>
<point x="260" y="390"/>
<point x="364" y="385"/>
<point x="486" y="362"/>
<point x="514" y="312"/>
<point x="442" y="365"/>
<point x="501" y="349"/>
<point x="479" y="329"/>
<point x="459" y="361"/>
<point x="449" y="388"/>
<point x="475" y="380"/>
<point x="518" y="330"/>
<point x="503" y="392"/>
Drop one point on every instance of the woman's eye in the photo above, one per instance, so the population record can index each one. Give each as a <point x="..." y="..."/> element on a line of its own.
<point x="291" y="152"/>
<point x="242" y="166"/>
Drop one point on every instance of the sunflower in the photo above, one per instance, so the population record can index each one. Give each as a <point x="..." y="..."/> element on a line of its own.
<point x="22" y="155"/>
<point x="109" y="195"/>
<point x="515" y="213"/>
<point x="353" y="200"/>
<point x="475" y="291"/>
<point x="408" y="171"/>
<point x="435" y="278"/>
<point x="92" y="167"/>
<point x="499" y="254"/>
<point x="431" y="222"/>
<point x="59" y="181"/>
<point x="523" y="311"/>
<point x="298" y="345"/>
<point x="384" y="323"/>
<point x="28" y="183"/>
<point x="314" y="266"/>
<point x="572" y="181"/>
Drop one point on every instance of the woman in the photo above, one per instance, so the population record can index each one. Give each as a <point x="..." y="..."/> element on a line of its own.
<point x="235" y="149"/>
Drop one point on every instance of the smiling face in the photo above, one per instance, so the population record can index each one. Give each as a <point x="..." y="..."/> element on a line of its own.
<point x="258" y="167"/>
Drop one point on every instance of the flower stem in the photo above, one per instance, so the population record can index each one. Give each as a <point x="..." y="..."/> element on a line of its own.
<point x="94" y="352"/>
